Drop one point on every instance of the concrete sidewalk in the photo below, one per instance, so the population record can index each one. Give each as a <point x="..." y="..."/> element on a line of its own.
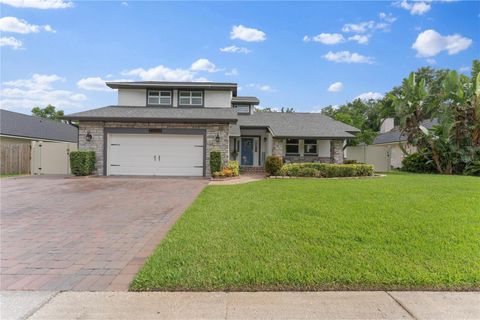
<point x="240" y="305"/>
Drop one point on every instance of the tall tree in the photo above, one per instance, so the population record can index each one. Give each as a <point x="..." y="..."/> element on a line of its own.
<point x="49" y="112"/>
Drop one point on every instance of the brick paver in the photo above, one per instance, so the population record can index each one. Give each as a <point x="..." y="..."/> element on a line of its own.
<point x="88" y="234"/>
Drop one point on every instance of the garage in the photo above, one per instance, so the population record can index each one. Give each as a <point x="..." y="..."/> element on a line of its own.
<point x="155" y="154"/>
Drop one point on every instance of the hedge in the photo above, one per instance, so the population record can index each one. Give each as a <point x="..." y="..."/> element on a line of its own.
<point x="326" y="170"/>
<point x="273" y="164"/>
<point x="82" y="163"/>
<point x="215" y="161"/>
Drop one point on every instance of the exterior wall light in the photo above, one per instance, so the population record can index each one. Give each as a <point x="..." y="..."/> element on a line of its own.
<point x="217" y="138"/>
<point x="88" y="136"/>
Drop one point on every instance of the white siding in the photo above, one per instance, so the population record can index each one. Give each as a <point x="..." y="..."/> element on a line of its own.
<point x="323" y="148"/>
<point x="132" y="97"/>
<point x="218" y="99"/>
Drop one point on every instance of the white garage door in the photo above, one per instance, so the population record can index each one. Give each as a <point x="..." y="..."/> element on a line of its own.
<point x="155" y="154"/>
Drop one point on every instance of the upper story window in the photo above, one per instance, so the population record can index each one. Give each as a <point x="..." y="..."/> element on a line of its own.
<point x="310" y="146"/>
<point x="292" y="146"/>
<point x="190" y="98"/>
<point x="162" y="98"/>
<point x="242" y="108"/>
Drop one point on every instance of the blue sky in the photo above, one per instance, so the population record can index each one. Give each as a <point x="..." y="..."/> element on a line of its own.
<point x="305" y="55"/>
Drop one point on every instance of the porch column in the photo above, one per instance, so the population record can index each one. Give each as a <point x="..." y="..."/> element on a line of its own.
<point x="277" y="149"/>
<point x="336" y="151"/>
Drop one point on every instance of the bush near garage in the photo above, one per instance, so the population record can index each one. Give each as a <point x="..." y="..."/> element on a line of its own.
<point x="82" y="162"/>
<point x="325" y="170"/>
<point x="418" y="163"/>
<point x="215" y="161"/>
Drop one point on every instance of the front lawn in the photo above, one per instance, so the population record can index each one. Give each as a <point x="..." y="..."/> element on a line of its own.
<point x="405" y="231"/>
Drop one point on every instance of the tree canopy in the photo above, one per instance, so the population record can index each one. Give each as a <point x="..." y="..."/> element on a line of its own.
<point x="49" y="112"/>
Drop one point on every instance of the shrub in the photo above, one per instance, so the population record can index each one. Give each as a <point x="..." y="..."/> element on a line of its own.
<point x="273" y="164"/>
<point x="234" y="167"/>
<point x="349" y="161"/>
<point x="417" y="162"/>
<point x="227" y="172"/>
<point x="82" y="163"/>
<point x="215" y="161"/>
<point x="472" y="169"/>
<point x="218" y="174"/>
<point x="326" y="170"/>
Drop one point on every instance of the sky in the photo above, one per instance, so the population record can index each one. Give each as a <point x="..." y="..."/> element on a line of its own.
<point x="305" y="55"/>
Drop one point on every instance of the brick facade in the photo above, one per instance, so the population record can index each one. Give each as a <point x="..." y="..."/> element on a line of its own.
<point x="96" y="144"/>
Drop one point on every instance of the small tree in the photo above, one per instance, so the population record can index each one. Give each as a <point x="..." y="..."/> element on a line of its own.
<point x="48" y="112"/>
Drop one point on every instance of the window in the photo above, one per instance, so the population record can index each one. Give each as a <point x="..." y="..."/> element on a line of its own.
<point x="191" y="98"/>
<point x="242" y="108"/>
<point x="292" y="146"/>
<point x="310" y="146"/>
<point x="160" y="98"/>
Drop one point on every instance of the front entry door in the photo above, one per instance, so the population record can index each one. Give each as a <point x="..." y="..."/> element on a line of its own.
<point x="247" y="152"/>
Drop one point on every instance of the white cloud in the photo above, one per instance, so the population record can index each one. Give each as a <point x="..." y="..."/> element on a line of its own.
<point x="203" y="65"/>
<point x="415" y="8"/>
<point x="347" y="57"/>
<point x="261" y="87"/>
<point x="124" y="4"/>
<point x="93" y="83"/>
<point x="247" y="34"/>
<point x="38" y="91"/>
<point x="162" y="73"/>
<point x="370" y="26"/>
<point x="235" y="49"/>
<point x="361" y="27"/>
<point x="464" y="69"/>
<point x="431" y="61"/>
<point x="39" y="4"/>
<point x="233" y="72"/>
<point x="369" y="95"/>
<point x="328" y="38"/>
<point x="335" y="87"/>
<point x="430" y="43"/>
<point x="12" y="24"/>
<point x="10" y="42"/>
<point x="388" y="17"/>
<point x="359" y="38"/>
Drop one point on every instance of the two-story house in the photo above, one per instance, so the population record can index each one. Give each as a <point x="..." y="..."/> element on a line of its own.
<point x="169" y="129"/>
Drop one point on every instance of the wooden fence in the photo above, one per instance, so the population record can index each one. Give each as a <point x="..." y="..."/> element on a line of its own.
<point x="15" y="158"/>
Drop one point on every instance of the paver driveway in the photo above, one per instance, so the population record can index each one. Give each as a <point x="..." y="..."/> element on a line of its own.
<point x="85" y="234"/>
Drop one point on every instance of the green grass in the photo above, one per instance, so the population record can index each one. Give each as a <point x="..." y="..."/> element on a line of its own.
<point x="8" y="175"/>
<point x="404" y="231"/>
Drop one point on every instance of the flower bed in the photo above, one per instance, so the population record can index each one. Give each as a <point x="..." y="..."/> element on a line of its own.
<point x="325" y="170"/>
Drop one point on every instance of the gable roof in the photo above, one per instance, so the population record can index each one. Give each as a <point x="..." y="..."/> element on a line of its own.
<point x="22" y="125"/>
<point x="157" y="114"/>
<point x="395" y="135"/>
<point x="298" y="125"/>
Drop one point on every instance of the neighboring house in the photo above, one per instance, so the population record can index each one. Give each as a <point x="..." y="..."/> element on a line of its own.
<point x="35" y="145"/>
<point x="387" y="150"/>
<point x="170" y="128"/>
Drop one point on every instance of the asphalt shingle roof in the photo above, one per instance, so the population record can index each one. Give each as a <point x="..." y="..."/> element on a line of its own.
<point x="145" y="114"/>
<point x="395" y="135"/>
<point x="22" y="125"/>
<point x="310" y="125"/>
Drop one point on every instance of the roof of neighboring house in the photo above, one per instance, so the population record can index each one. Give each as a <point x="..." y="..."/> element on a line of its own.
<point x="249" y="100"/>
<point x="173" y="84"/>
<point x="157" y="114"/>
<point x="298" y="125"/>
<point x="395" y="135"/>
<point x="22" y="125"/>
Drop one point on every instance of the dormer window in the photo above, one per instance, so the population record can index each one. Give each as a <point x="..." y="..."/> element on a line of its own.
<point x="190" y="98"/>
<point x="159" y="98"/>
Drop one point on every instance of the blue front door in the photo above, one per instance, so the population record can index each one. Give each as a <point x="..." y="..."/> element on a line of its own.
<point x="247" y="152"/>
